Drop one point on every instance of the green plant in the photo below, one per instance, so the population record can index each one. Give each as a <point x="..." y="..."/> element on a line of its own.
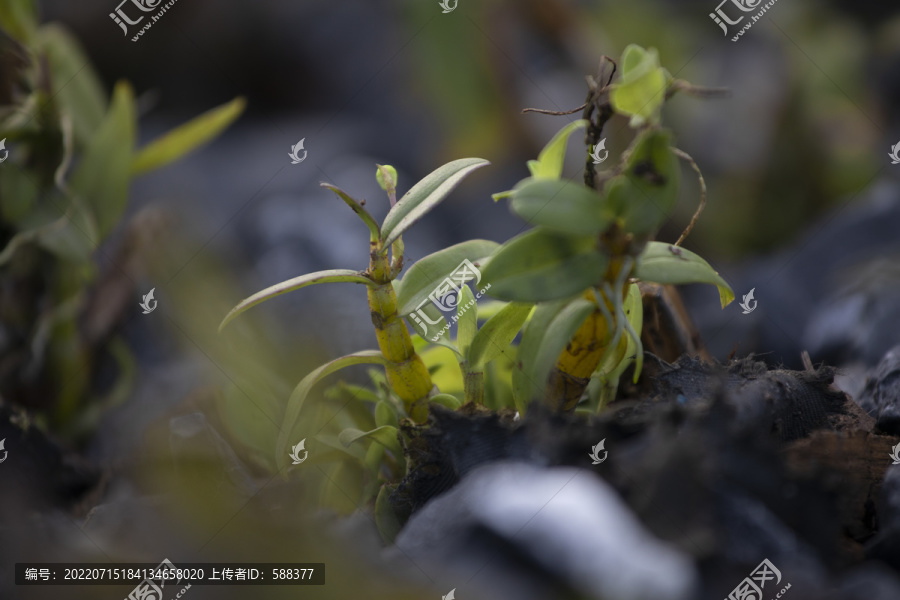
<point x="570" y="281"/>
<point x="406" y="373"/>
<point x="590" y="240"/>
<point x="63" y="190"/>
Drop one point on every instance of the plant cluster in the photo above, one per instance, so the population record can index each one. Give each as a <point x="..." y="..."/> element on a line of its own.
<point x="63" y="190"/>
<point x="568" y="286"/>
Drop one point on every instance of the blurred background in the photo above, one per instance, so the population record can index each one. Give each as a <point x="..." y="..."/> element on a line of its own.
<point x="803" y="207"/>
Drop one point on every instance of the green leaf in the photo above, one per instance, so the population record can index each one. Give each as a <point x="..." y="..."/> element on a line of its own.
<point x="355" y="452"/>
<point x="77" y="89"/>
<point x="549" y="163"/>
<point x="298" y="396"/>
<point x="385" y="414"/>
<point x="245" y="421"/>
<point x="386" y="520"/>
<point x="642" y="90"/>
<point x="541" y="265"/>
<point x="427" y="273"/>
<point x="495" y="336"/>
<point x="553" y="341"/>
<point x="425" y="195"/>
<point x="634" y="312"/>
<point x="525" y="385"/>
<point x="561" y="205"/>
<point x="101" y="180"/>
<point x="332" y="276"/>
<point x="18" y="19"/>
<point x="186" y="138"/>
<point x="446" y="400"/>
<point x="384" y="435"/>
<point x="664" y="263"/>
<point x="605" y="380"/>
<point x="644" y="196"/>
<point x="356" y="392"/>
<point x="489" y="308"/>
<point x="467" y="325"/>
<point x="421" y="344"/>
<point x="356" y="207"/>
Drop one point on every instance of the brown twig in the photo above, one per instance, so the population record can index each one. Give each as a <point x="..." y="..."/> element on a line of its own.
<point x="699" y="91"/>
<point x="596" y="88"/>
<point x="685" y="156"/>
<point x="807" y="362"/>
<point x="557" y="113"/>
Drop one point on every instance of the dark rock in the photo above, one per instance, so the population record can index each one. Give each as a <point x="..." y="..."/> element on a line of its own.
<point x="886" y="545"/>
<point x="869" y="582"/>
<point x="789" y="404"/>
<point x="37" y="473"/>
<point x="881" y="396"/>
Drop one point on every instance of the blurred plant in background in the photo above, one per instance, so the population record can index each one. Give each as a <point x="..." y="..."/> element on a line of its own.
<point x="63" y="192"/>
<point x="793" y="140"/>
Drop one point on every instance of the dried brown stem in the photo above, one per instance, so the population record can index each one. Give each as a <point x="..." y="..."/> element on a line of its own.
<point x="685" y="156"/>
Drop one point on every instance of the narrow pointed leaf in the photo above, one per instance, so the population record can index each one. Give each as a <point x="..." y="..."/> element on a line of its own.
<point x="467" y="325"/>
<point x="660" y="264"/>
<point x="541" y="265"/>
<point x="549" y="164"/>
<point x="426" y="273"/>
<point x="101" y="179"/>
<point x="77" y="89"/>
<point x="385" y="435"/>
<point x="18" y="19"/>
<point x="562" y="205"/>
<point x="187" y="137"/>
<point x="495" y="336"/>
<point x="335" y="275"/>
<point x="298" y="396"/>
<point x="425" y="195"/>
<point x="356" y="207"/>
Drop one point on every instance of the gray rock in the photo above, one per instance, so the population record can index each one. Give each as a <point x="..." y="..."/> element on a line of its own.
<point x="569" y="530"/>
<point x="881" y="396"/>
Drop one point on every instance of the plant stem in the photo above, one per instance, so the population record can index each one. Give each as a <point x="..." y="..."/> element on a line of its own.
<point x="473" y="384"/>
<point x="406" y="372"/>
